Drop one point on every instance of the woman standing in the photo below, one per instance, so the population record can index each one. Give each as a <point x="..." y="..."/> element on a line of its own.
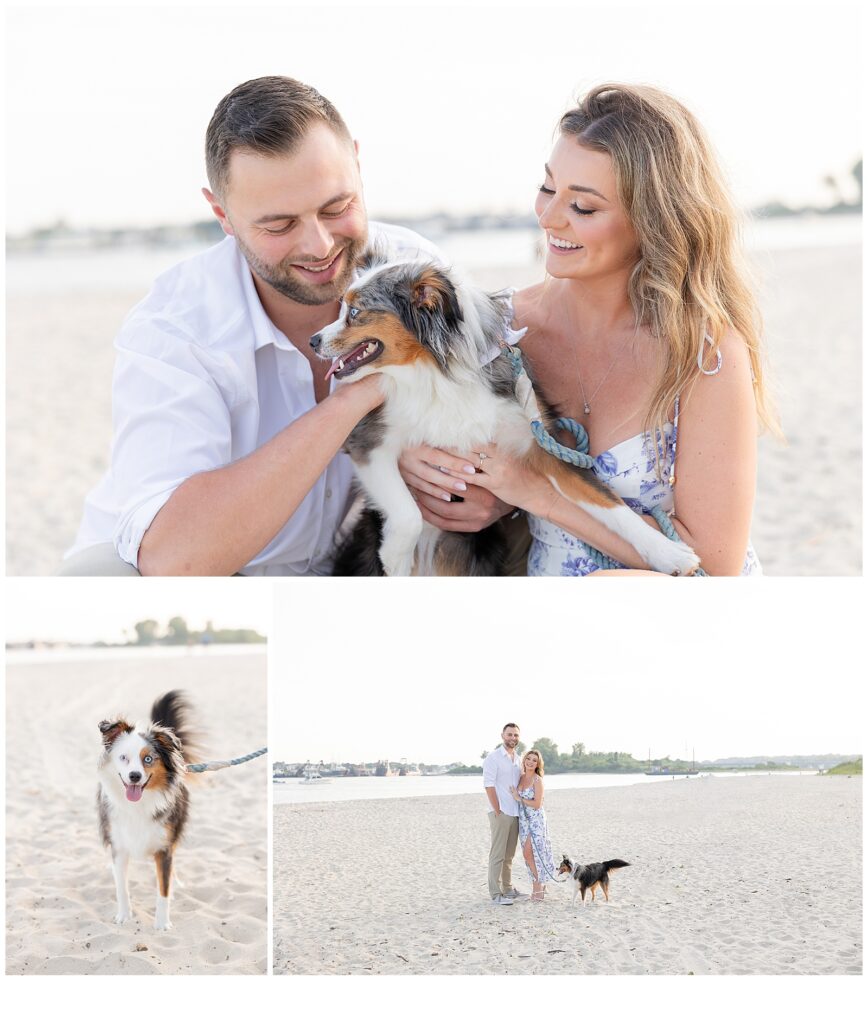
<point x="533" y="834"/>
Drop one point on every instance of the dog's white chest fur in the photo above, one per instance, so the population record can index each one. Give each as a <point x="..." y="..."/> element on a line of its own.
<point x="424" y="407"/>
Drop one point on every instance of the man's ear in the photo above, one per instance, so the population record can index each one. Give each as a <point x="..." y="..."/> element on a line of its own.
<point x="218" y="211"/>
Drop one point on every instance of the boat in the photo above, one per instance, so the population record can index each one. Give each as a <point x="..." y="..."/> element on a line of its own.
<point x="311" y="777"/>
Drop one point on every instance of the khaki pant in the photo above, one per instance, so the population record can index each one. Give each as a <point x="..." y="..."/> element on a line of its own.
<point x="99" y="560"/>
<point x="504" y="840"/>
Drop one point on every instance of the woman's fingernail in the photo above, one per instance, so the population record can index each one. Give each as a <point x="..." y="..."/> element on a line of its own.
<point x="469" y="469"/>
<point x="459" y="485"/>
<point x="446" y="497"/>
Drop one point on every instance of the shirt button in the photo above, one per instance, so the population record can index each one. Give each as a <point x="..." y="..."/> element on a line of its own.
<point x="328" y="493"/>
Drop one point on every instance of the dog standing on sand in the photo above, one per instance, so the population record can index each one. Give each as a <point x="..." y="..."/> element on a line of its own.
<point x="142" y="799"/>
<point x="588" y="876"/>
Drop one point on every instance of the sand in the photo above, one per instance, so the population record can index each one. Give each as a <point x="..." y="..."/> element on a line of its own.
<point x="808" y="511"/>
<point x="59" y="888"/>
<point x="728" y="876"/>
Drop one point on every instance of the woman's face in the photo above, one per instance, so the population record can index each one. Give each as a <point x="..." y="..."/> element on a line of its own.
<point x="530" y="763"/>
<point x="588" y="233"/>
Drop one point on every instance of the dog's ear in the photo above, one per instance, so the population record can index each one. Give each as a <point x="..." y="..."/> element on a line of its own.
<point x="433" y="292"/>
<point x="111" y="730"/>
<point x="166" y="740"/>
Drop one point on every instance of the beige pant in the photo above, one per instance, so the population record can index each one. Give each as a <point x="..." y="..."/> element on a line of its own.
<point x="504" y="840"/>
<point x="99" y="560"/>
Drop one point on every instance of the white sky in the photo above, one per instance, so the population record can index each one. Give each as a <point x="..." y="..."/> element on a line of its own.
<point x="84" y="610"/>
<point x="434" y="672"/>
<point x="454" y="107"/>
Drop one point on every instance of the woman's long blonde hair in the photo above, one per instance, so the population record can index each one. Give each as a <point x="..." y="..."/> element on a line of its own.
<point x="690" y="280"/>
<point x="540" y="767"/>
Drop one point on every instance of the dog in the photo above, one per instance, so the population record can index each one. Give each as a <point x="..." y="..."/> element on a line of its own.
<point x="588" y="876"/>
<point x="447" y="382"/>
<point x="142" y="798"/>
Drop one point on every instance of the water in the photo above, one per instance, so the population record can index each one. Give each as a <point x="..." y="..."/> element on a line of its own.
<point x="133" y="268"/>
<point x="60" y="655"/>
<point x="292" y="791"/>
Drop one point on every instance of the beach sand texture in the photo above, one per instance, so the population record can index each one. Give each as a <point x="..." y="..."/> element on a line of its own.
<point x="60" y="897"/>
<point x="808" y="511"/>
<point x="728" y="876"/>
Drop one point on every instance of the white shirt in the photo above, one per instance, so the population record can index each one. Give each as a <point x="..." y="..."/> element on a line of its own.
<point x="502" y="771"/>
<point x="203" y="378"/>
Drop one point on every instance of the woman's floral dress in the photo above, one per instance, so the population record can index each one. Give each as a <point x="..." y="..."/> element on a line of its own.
<point x="532" y="822"/>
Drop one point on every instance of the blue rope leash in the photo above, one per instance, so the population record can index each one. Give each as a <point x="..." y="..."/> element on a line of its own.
<point x="579" y="456"/>
<point x="524" y="811"/>
<point x="213" y="766"/>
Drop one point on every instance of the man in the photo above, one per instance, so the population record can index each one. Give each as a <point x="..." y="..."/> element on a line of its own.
<point x="501" y="770"/>
<point x="227" y="436"/>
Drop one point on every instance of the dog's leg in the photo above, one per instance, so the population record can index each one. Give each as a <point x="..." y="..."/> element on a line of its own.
<point x="163" y="861"/>
<point x="604" y="885"/>
<point x="662" y="554"/>
<point x="402" y="526"/>
<point x="120" y="865"/>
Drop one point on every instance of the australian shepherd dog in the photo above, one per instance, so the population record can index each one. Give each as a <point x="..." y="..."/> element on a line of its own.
<point x="142" y="797"/>
<point x="447" y="383"/>
<point x="588" y="876"/>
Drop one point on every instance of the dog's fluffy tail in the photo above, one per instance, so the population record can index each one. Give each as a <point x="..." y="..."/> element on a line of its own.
<point x="173" y="711"/>
<point x="610" y="865"/>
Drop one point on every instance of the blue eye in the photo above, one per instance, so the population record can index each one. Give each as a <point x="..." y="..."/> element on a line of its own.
<point x="148" y="759"/>
<point x="353" y="312"/>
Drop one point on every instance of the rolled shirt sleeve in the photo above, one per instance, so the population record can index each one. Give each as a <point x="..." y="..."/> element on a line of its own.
<point x="172" y="420"/>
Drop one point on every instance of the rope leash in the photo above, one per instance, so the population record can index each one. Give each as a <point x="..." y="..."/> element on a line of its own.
<point x="579" y="456"/>
<point x="215" y="766"/>
<point x="524" y="811"/>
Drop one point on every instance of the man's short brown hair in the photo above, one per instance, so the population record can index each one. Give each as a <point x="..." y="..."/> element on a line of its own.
<point x="509" y="725"/>
<point x="270" y="116"/>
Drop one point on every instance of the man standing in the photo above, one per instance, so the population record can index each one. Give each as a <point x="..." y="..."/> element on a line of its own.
<point x="500" y="770"/>
<point x="226" y="456"/>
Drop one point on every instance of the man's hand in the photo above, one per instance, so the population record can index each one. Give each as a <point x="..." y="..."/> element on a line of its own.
<point x="436" y="478"/>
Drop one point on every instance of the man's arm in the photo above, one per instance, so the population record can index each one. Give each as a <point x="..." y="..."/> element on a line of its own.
<point x="491" y="792"/>
<point x="489" y="777"/>
<point x="215" y="522"/>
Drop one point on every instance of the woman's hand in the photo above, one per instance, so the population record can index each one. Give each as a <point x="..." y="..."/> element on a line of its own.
<point x="514" y="792"/>
<point x="512" y="481"/>
<point x="437" y="478"/>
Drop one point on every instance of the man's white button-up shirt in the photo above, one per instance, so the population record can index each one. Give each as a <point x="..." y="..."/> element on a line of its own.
<point x="502" y="771"/>
<point x="203" y="378"/>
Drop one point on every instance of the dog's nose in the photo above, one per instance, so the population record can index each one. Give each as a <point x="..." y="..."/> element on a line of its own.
<point x="135" y="776"/>
<point x="315" y="341"/>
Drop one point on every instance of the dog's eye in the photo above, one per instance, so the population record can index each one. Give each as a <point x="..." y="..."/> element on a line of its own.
<point x="148" y="759"/>
<point x="353" y="312"/>
<point x="123" y="758"/>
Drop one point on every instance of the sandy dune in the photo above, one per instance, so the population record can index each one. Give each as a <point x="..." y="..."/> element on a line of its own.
<point x="728" y="876"/>
<point x="59" y="887"/>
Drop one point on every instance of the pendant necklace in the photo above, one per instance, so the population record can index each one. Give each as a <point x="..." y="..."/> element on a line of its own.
<point x="587" y="401"/>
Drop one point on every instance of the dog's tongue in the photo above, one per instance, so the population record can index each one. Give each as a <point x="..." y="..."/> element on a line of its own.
<point x="134" y="791"/>
<point x="339" y="362"/>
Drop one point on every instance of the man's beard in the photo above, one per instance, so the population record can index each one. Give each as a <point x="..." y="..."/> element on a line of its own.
<point x="283" y="279"/>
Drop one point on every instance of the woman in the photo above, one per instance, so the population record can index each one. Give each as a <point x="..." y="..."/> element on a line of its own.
<point x="533" y="833"/>
<point x="644" y="332"/>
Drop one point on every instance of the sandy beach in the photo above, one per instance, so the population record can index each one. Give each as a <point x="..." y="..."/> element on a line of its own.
<point x="758" y="875"/>
<point x="59" y="366"/>
<point x="59" y="887"/>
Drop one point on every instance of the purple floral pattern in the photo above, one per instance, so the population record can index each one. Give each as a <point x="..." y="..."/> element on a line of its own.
<point x="630" y="469"/>
<point x="532" y="823"/>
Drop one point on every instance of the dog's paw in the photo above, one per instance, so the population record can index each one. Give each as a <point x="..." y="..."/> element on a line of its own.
<point x="672" y="557"/>
<point x="163" y="926"/>
<point x="123" y="915"/>
<point x="396" y="560"/>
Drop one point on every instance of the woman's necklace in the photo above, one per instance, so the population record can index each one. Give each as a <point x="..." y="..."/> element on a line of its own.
<point x="587" y="401"/>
